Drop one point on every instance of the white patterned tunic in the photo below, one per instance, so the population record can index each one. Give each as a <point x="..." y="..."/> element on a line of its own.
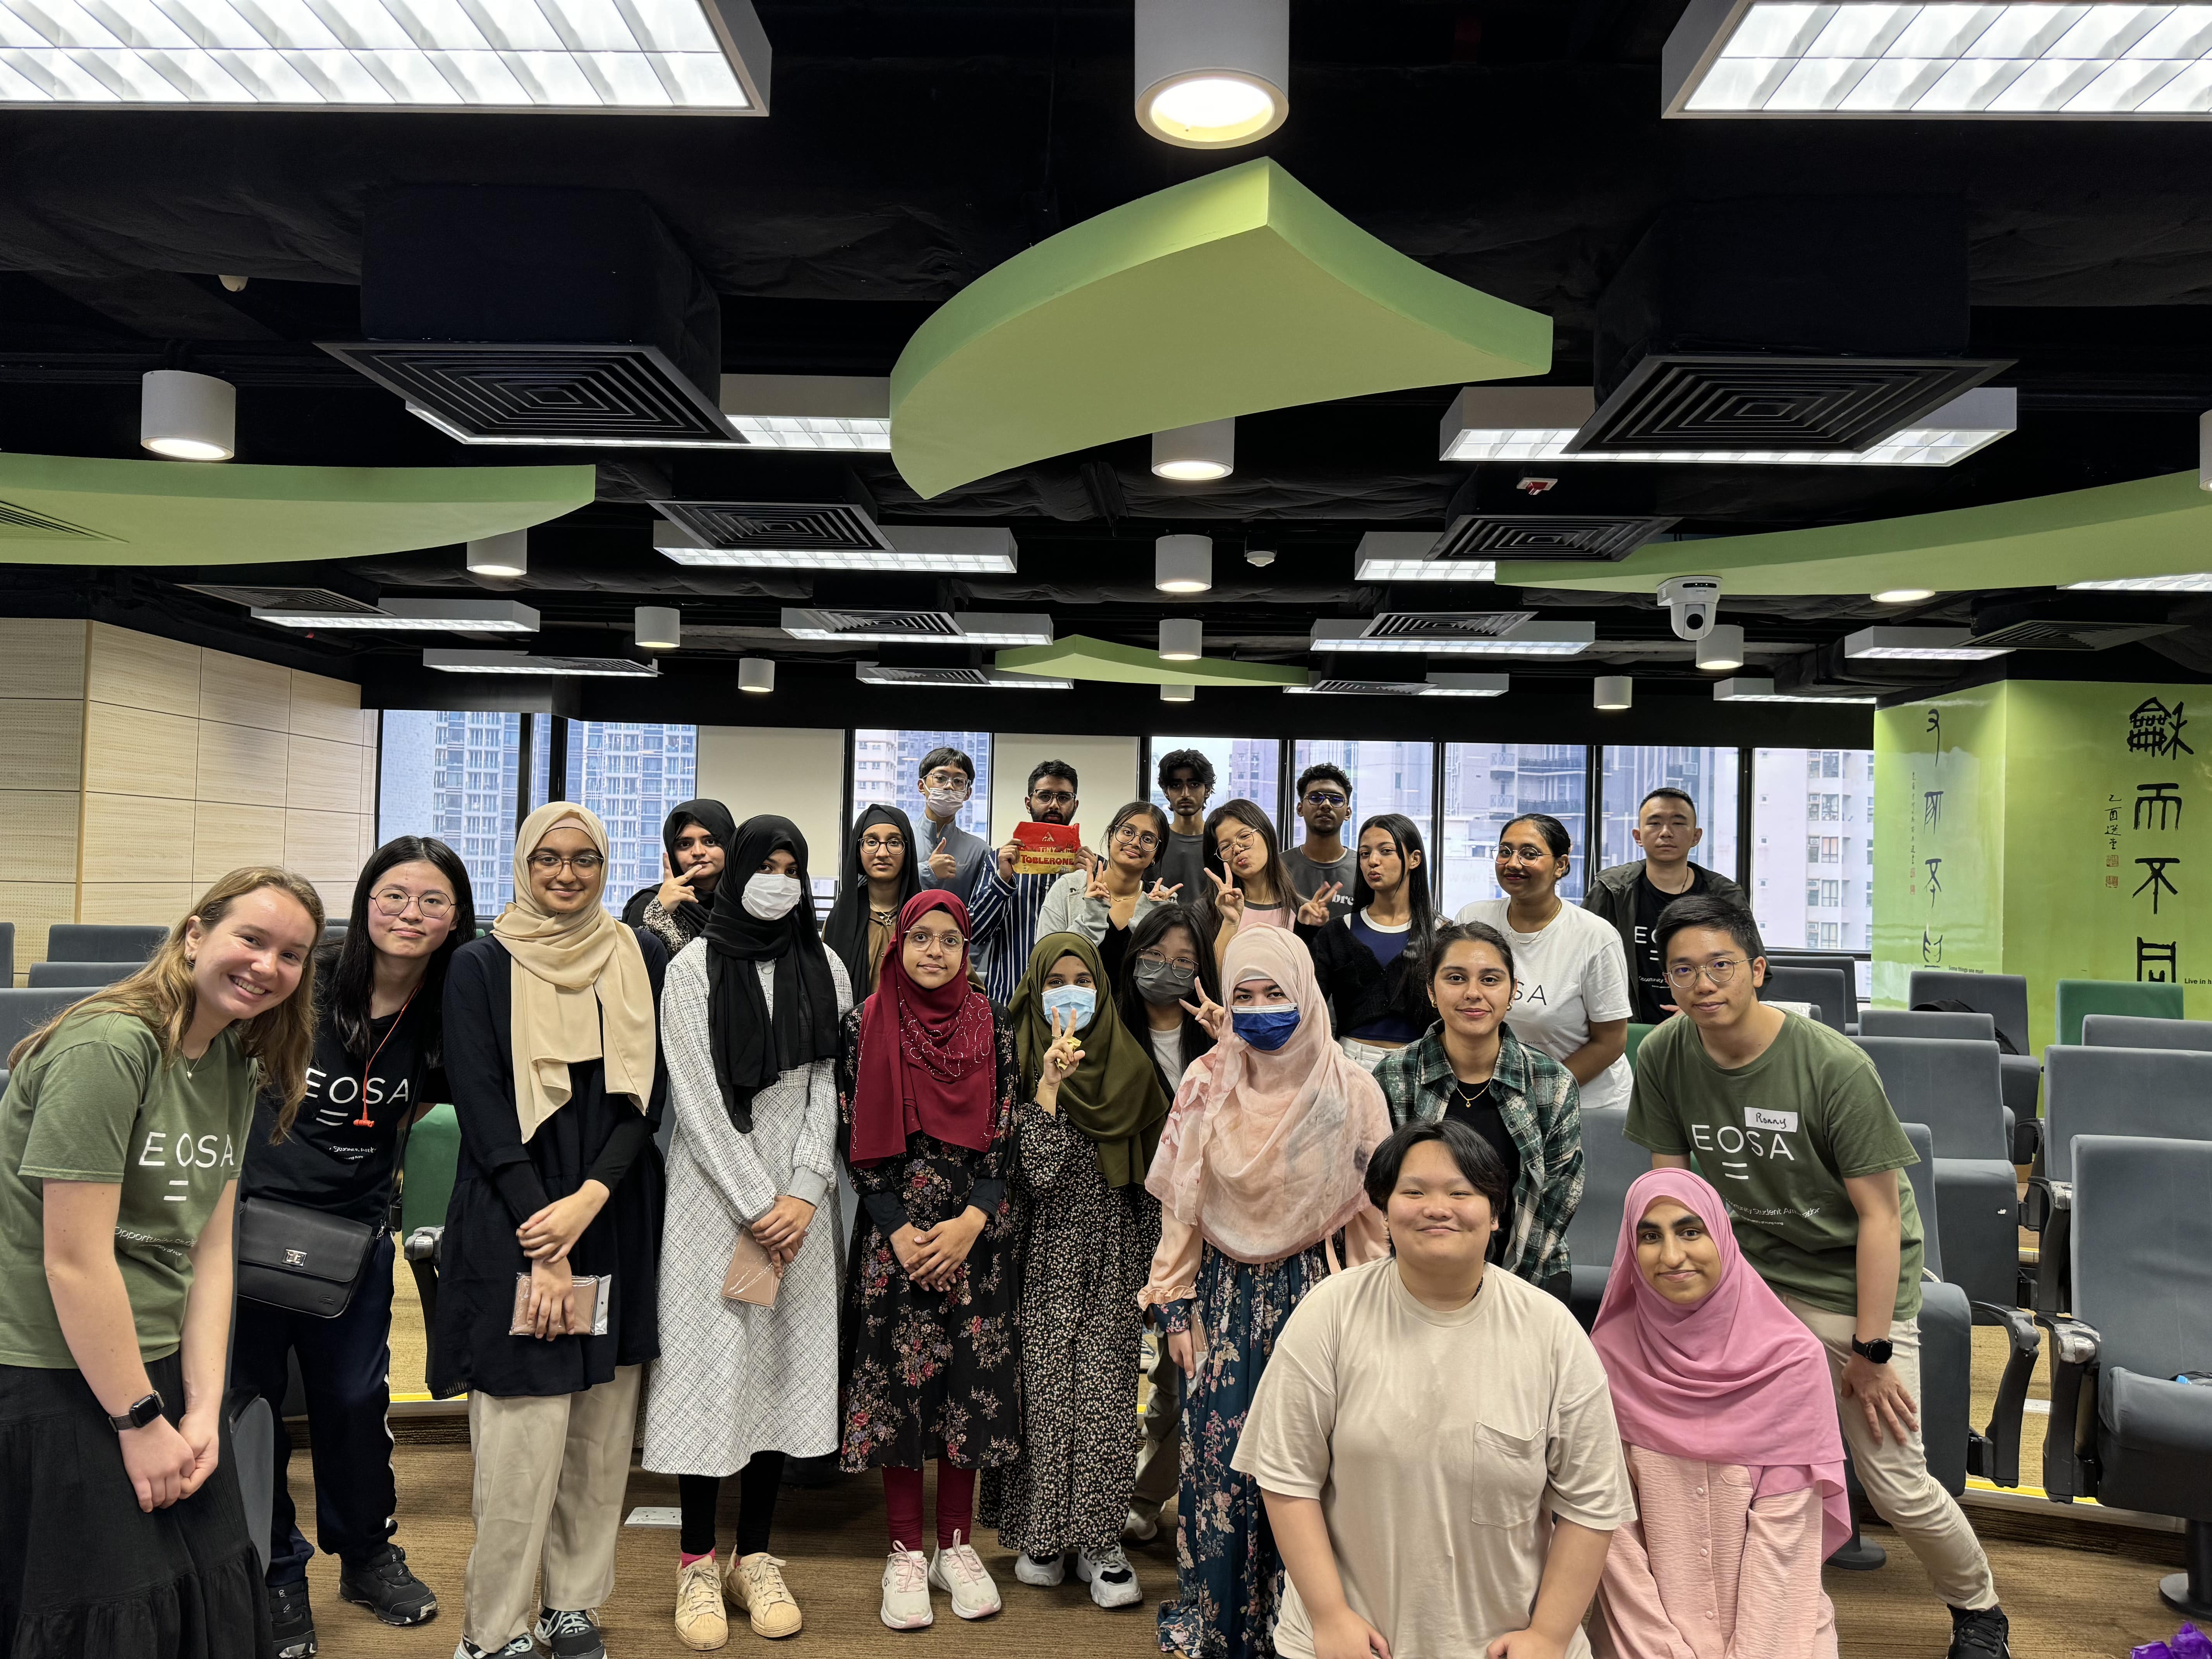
<point x="733" y="1379"/>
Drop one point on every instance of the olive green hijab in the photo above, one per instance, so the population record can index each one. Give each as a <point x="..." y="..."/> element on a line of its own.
<point x="1115" y="1098"/>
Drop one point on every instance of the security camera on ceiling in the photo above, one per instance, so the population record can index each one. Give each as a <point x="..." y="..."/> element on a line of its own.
<point x="1693" y="604"/>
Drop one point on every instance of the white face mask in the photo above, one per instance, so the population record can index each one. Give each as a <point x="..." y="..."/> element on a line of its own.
<point x="770" y="897"/>
<point x="945" y="802"/>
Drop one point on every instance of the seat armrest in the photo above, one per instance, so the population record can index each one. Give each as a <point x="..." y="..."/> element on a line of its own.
<point x="2069" y="1444"/>
<point x="423" y="1244"/>
<point x="1997" y="1453"/>
<point x="2048" y="1210"/>
<point x="2028" y="1141"/>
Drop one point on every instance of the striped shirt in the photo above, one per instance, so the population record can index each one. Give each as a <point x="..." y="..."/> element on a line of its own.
<point x="1002" y="919"/>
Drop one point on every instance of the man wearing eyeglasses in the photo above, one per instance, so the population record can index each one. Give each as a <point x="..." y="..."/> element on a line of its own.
<point x="952" y="858"/>
<point x="1003" y="915"/>
<point x="1788" y="1119"/>
<point x="1324" y="807"/>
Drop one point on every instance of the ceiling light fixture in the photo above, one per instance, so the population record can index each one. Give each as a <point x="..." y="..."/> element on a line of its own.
<point x="841" y="412"/>
<point x="1212" y="73"/>
<point x="1534" y="423"/>
<point x="1528" y="639"/>
<point x="2197" y="582"/>
<point x="1182" y="564"/>
<point x="1195" y="454"/>
<point x="1436" y="685"/>
<point x="501" y="555"/>
<point x="658" y="627"/>
<point x="1902" y="595"/>
<point x="1613" y="691"/>
<point x="1873" y="57"/>
<point x="1743" y="689"/>
<point x="1182" y="639"/>
<point x="947" y="549"/>
<point x="1408" y="555"/>
<point x="1722" y="646"/>
<point x="876" y="673"/>
<point x="1918" y="644"/>
<point x="919" y="627"/>
<point x="412" y="616"/>
<point x="523" y="662"/>
<point x="532" y="56"/>
<point x="184" y="416"/>
<point x="756" y="674"/>
<point x="1181" y="693"/>
<point x="2204" y="450"/>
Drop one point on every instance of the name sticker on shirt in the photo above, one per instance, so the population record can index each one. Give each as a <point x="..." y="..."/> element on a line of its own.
<point x="1758" y="1117"/>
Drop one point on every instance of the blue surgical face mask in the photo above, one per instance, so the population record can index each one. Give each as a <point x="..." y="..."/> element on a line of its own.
<point x="1081" y="1000"/>
<point x="1265" y="1027"/>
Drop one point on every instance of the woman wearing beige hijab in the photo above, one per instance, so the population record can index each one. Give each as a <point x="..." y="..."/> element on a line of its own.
<point x="553" y="1055"/>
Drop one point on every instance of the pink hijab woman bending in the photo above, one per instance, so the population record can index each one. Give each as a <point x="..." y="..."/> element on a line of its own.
<point x="1728" y="1421"/>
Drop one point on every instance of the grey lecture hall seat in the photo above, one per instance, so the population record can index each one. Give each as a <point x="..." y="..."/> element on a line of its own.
<point x="1842" y="962"/>
<point x="2128" y="1370"/>
<point x="2002" y="995"/>
<point x="7" y="953"/>
<point x="1926" y="1023"/>
<point x="2133" y="1032"/>
<point x="1610" y="1162"/>
<point x="2145" y="1094"/>
<point x="90" y="941"/>
<point x="2077" y="999"/>
<point x="1824" y="986"/>
<point x="81" y="975"/>
<point x="2021" y="1075"/>
<point x="1951" y="1085"/>
<point x="23" y="1010"/>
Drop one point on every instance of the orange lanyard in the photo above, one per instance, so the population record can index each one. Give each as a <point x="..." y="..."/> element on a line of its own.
<point x="365" y="1121"/>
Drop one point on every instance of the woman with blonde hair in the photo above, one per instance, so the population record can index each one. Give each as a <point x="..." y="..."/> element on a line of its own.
<point x="121" y="1134"/>
<point x="547" y="1314"/>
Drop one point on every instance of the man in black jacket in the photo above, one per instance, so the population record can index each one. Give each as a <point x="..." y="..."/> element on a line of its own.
<point x="1632" y="895"/>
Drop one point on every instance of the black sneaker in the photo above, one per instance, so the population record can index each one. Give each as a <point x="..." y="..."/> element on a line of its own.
<point x="1980" y="1635"/>
<point x="382" y="1583"/>
<point x="291" y="1620"/>
<point x="570" y="1635"/>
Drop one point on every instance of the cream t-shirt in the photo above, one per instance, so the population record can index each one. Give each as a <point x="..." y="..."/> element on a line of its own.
<point x="1435" y="1442"/>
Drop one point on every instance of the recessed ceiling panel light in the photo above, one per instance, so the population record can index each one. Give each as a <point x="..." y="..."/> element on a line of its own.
<point x="523" y="662"/>
<point x="1530" y="639"/>
<point x="533" y="56"/>
<point x="1212" y="73"/>
<point x="949" y="549"/>
<point x="1406" y="555"/>
<point x="1436" y="685"/>
<point x="917" y="627"/>
<point x="1533" y="424"/>
<point x="414" y="616"/>
<point x="1195" y="454"/>
<point x="876" y="673"/>
<point x="1918" y="644"/>
<point x="837" y="412"/>
<point x="1753" y="689"/>
<point x="1874" y="58"/>
<point x="2197" y="582"/>
<point x="1902" y="595"/>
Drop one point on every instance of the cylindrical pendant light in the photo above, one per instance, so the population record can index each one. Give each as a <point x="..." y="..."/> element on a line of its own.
<point x="185" y="416"/>
<point x="1195" y="454"/>
<point x="501" y="555"/>
<point x="1212" y="73"/>
<point x="1722" y="646"/>
<point x="1182" y="564"/>
<point x="2204" y="450"/>
<point x="1182" y="639"/>
<point x="658" y="628"/>
<point x="1614" y="691"/>
<point x="1178" y="694"/>
<point x="756" y="673"/>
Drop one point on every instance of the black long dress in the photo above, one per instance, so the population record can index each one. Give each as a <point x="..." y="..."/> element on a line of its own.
<point x="500" y="1181"/>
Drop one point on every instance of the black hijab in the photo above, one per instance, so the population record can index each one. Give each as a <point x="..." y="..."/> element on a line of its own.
<point x="847" y="932"/>
<point x="715" y="818"/>
<point x="751" y="1049"/>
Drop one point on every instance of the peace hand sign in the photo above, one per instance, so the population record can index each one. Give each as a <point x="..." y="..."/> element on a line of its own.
<point x="1061" y="1060"/>
<point x="1095" y="885"/>
<point x="1228" y="899"/>
<point x="675" y="890"/>
<point x="1314" y="913"/>
<point x="1162" y="893"/>
<point x="1209" y="1013"/>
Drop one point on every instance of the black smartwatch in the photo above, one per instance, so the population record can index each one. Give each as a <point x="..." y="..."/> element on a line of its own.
<point x="1876" y="1353"/>
<point x="142" y="1413"/>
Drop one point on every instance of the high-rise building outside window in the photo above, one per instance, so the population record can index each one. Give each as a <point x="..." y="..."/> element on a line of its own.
<point x="1707" y="776"/>
<point x="452" y="774"/>
<point x="1244" y="768"/>
<point x="1822" y="800"/>
<point x="1487" y="787"/>
<point x="887" y="770"/>
<point x="631" y="773"/>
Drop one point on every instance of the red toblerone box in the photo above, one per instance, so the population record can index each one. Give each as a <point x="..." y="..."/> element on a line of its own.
<point x="1047" y="849"/>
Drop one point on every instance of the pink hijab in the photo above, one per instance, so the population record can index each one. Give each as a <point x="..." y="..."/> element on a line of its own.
<point x="1736" y="1379"/>
<point x="1266" y="1153"/>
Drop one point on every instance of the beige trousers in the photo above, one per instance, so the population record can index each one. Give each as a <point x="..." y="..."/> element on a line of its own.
<point x="1894" y="1473"/>
<point x="550" y="1476"/>
<point x="1159" y="1456"/>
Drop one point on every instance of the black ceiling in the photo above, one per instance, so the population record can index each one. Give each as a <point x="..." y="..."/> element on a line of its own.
<point x="1512" y="145"/>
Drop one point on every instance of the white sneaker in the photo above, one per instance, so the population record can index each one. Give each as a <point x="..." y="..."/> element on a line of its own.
<point x="1113" y="1581"/>
<point x="1043" y="1573"/>
<point x="906" y="1591"/>
<point x="1141" y="1529"/>
<point x="960" y="1573"/>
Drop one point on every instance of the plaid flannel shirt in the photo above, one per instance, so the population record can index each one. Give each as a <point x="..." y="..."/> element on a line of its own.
<point x="1541" y="1105"/>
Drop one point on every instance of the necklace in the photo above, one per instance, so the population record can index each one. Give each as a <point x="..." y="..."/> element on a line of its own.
<point x="1468" y="1095"/>
<point x="882" y="918"/>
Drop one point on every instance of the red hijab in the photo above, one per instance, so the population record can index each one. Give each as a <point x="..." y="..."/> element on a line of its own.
<point x="928" y="1059"/>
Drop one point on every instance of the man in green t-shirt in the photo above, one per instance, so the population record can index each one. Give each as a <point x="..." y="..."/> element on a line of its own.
<point x="1787" y="1119"/>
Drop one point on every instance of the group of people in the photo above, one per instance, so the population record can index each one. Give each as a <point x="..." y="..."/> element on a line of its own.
<point x="1326" y="1144"/>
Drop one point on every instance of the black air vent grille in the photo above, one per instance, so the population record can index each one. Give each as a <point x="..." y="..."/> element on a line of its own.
<point x="545" y="394"/>
<point x="787" y="526"/>
<point x="1726" y="401"/>
<point x="2048" y="635"/>
<point x="1489" y="536"/>
<point x="1371" y="688"/>
<point x="29" y="525"/>
<point x="319" y="600"/>
<point x="1397" y="624"/>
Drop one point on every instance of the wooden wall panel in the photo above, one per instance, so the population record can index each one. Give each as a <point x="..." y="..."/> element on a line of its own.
<point x="135" y="838"/>
<point x="41" y="657"/>
<point x="41" y="744"/>
<point x="225" y="837"/>
<point x="132" y="750"/>
<point x="240" y="691"/>
<point x="322" y="776"/>
<point x="138" y="670"/>
<point x="324" y="708"/>
<point x="143" y="902"/>
<point x="246" y="765"/>
<point x="38" y="834"/>
<point x="34" y="906"/>
<point x="323" y="846"/>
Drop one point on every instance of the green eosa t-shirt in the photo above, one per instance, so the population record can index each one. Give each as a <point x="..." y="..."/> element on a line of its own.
<point x="96" y="1103"/>
<point x="1777" y="1137"/>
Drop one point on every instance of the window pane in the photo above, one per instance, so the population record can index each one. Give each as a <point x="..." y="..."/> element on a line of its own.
<point x="1819" y="802"/>
<point x="1387" y="776"/>
<point x="887" y="769"/>
<point x="1487" y="787"/>
<point x="451" y="774"/>
<point x="630" y="774"/>
<point x="1707" y="776"/>
<point x="1244" y="768"/>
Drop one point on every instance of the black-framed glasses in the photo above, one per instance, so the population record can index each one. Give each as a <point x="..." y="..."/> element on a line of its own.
<point x="891" y="841"/>
<point x="394" y="900"/>
<point x="1143" y="839"/>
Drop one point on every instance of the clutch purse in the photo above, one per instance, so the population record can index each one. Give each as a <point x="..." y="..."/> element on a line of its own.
<point x="587" y="1306"/>
<point x="753" y="1276"/>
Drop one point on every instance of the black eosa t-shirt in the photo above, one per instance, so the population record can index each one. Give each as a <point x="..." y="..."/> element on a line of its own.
<point x="342" y="1152"/>
<point x="1652" y="991"/>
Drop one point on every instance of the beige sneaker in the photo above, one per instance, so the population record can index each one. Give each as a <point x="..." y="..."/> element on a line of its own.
<point x="906" y="1591"/>
<point x="755" y="1584"/>
<point x="701" y="1624"/>
<point x="960" y="1573"/>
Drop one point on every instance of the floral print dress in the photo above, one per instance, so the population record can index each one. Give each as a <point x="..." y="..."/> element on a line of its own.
<point x="932" y="1373"/>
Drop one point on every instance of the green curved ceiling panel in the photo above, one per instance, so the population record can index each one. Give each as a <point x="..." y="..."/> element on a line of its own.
<point x="1079" y="657"/>
<point x="1229" y="293"/>
<point x="66" y="509"/>
<point x="2158" y="526"/>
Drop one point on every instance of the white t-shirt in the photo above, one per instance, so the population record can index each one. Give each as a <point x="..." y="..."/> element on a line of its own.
<point x="1167" y="1054"/>
<point x="1569" y="975"/>
<point x="1435" y="1442"/>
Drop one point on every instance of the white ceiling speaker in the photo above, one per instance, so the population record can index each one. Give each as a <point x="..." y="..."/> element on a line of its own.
<point x="1182" y="564"/>
<point x="1614" y="691"/>
<point x="1212" y="73"/>
<point x="1259" y="558"/>
<point x="501" y="555"/>
<point x="1722" y="646"/>
<point x="658" y="628"/>
<point x="1178" y="694"/>
<point x="184" y="416"/>
<point x="756" y="674"/>
<point x="1195" y="454"/>
<point x="1182" y="639"/>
